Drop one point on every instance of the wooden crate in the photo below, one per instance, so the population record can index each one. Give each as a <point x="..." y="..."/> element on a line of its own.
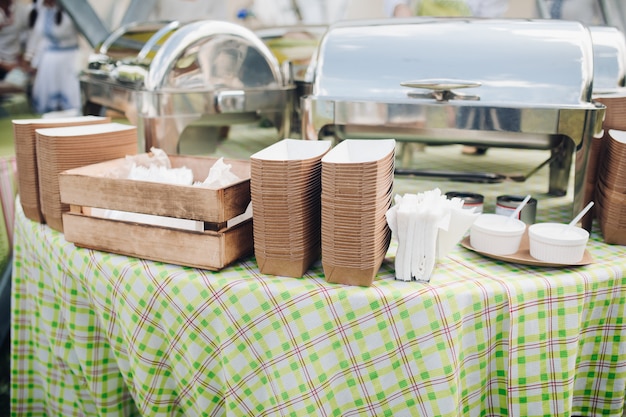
<point x="213" y="248"/>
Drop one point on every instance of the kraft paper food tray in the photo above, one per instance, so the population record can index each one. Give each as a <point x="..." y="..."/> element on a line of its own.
<point x="293" y="267"/>
<point x="363" y="277"/>
<point x="68" y="147"/>
<point x="26" y="157"/>
<point x="91" y="186"/>
<point x="615" y="114"/>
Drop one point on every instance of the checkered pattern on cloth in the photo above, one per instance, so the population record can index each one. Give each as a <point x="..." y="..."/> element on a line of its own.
<point x="8" y="191"/>
<point x="101" y="334"/>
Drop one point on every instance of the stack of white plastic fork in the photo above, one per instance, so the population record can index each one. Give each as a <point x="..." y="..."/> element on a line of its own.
<point x="427" y="226"/>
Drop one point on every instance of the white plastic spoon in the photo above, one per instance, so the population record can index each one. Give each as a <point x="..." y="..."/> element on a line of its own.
<point x="519" y="208"/>
<point x="576" y="219"/>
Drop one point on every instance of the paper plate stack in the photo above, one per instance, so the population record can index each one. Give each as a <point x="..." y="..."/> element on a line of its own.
<point x="615" y="113"/>
<point x="26" y="157"/>
<point x="357" y="183"/>
<point x="610" y="191"/>
<point x="594" y="161"/>
<point x="63" y="148"/>
<point x="285" y="187"/>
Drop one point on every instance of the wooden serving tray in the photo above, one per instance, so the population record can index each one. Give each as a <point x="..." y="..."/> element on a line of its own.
<point x="522" y="256"/>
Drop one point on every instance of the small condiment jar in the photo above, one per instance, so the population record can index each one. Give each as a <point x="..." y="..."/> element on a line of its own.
<point x="506" y="205"/>
<point x="470" y="200"/>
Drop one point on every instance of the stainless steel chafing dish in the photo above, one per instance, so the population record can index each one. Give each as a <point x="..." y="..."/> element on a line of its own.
<point x="186" y="83"/>
<point x="103" y="86"/>
<point x="496" y="83"/>
<point x="609" y="59"/>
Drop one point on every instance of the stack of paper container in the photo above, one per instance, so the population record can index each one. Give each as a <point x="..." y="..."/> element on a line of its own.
<point x="614" y="119"/>
<point x="285" y="186"/>
<point x="26" y="157"/>
<point x="63" y="148"/>
<point x="591" y="176"/>
<point x="610" y="191"/>
<point x="357" y="183"/>
<point x="615" y="114"/>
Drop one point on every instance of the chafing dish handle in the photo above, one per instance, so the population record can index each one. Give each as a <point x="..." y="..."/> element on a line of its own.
<point x="441" y="89"/>
<point x="236" y="101"/>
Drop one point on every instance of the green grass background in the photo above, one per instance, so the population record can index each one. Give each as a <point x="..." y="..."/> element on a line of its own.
<point x="12" y="107"/>
<point x="7" y="144"/>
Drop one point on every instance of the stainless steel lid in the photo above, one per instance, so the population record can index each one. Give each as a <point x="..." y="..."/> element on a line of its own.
<point x="542" y="63"/>
<point x="518" y="83"/>
<point x="609" y="59"/>
<point x="134" y="43"/>
<point x="213" y="54"/>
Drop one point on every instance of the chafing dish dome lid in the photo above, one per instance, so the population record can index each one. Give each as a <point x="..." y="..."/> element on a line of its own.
<point x="508" y="61"/>
<point x="209" y="55"/>
<point x="609" y="59"/>
<point x="132" y="43"/>
<point x="182" y="57"/>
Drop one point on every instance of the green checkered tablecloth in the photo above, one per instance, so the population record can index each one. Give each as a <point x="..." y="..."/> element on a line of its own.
<point x="100" y="334"/>
<point x="95" y="333"/>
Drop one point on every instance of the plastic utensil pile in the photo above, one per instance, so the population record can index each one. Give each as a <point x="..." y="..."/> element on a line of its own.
<point x="427" y="226"/>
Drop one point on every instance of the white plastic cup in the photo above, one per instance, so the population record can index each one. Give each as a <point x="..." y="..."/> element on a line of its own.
<point x="496" y="234"/>
<point x="557" y="242"/>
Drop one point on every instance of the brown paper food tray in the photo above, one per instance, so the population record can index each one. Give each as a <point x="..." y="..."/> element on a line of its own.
<point x="24" y="137"/>
<point x="346" y="275"/>
<point x="295" y="268"/>
<point x="87" y="186"/>
<point x="350" y="276"/>
<point x="207" y="250"/>
<point x="615" y="110"/>
<point x="613" y="234"/>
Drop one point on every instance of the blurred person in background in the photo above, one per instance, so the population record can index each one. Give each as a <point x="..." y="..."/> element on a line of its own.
<point x="477" y="8"/>
<point x="187" y="10"/>
<point x="268" y="13"/>
<point x="53" y="55"/>
<point x="586" y="11"/>
<point x="13" y="34"/>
